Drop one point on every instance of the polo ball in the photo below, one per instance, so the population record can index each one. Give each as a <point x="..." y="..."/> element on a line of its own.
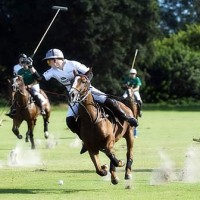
<point x="60" y="182"/>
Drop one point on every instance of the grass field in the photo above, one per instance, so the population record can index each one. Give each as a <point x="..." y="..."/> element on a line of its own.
<point x="164" y="148"/>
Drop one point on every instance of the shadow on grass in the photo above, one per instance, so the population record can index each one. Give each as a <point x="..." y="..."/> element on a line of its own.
<point x="88" y="171"/>
<point x="142" y="170"/>
<point x="45" y="191"/>
<point x="66" y="171"/>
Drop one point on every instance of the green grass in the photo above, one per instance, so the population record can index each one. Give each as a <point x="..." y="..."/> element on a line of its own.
<point x="169" y="131"/>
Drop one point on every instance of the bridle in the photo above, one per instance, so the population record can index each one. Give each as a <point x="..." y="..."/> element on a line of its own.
<point x="19" y="88"/>
<point x="80" y="91"/>
<point x="18" y="84"/>
<point x="80" y="88"/>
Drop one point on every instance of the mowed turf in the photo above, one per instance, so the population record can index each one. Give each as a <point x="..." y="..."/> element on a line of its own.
<point x="161" y="134"/>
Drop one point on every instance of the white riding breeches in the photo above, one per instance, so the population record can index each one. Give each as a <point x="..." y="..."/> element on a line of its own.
<point x="35" y="90"/>
<point x="136" y="93"/>
<point x="98" y="97"/>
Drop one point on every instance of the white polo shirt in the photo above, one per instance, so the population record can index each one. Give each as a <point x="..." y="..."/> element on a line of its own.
<point x="65" y="75"/>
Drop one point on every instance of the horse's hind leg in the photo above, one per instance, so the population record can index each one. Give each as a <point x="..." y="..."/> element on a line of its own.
<point x="101" y="171"/>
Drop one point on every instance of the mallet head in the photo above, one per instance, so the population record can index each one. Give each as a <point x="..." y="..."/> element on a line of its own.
<point x="59" y="8"/>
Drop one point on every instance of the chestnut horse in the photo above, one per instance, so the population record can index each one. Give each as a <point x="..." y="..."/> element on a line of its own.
<point x="27" y="110"/>
<point x="100" y="133"/>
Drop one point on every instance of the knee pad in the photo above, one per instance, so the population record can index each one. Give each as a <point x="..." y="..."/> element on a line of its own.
<point x="72" y="124"/>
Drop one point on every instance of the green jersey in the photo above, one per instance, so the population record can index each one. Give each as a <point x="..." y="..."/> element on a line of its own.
<point x="133" y="82"/>
<point x="27" y="76"/>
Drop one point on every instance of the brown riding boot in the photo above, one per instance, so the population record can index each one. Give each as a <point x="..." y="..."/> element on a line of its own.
<point x="12" y="111"/>
<point x="11" y="114"/>
<point x="113" y="105"/>
<point x="83" y="149"/>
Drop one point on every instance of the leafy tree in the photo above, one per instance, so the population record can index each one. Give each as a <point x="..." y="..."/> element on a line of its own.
<point x="175" y="72"/>
<point x="109" y="34"/>
<point x="101" y="34"/>
<point x="175" y="15"/>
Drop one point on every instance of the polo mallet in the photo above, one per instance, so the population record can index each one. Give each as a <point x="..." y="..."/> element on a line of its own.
<point x="136" y="51"/>
<point x="58" y="8"/>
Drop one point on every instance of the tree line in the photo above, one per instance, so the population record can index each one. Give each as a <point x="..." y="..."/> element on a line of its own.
<point x="104" y="35"/>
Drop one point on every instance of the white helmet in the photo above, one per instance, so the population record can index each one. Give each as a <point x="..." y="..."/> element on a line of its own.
<point x="54" y="53"/>
<point x="133" y="71"/>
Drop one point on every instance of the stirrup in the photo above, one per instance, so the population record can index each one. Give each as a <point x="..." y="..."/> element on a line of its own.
<point x="11" y="114"/>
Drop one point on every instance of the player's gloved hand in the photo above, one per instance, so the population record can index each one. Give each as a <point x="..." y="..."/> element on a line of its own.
<point x="30" y="62"/>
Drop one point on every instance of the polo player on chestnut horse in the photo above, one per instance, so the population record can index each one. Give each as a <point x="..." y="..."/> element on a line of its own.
<point x="100" y="130"/>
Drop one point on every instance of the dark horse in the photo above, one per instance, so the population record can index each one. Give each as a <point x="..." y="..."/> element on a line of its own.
<point x="27" y="110"/>
<point x="98" y="132"/>
<point x="131" y="102"/>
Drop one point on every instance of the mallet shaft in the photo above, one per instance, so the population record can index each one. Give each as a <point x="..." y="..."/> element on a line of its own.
<point x="136" y="51"/>
<point x="58" y="8"/>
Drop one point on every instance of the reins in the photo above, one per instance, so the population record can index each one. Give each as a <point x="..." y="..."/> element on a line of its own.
<point x="95" y="106"/>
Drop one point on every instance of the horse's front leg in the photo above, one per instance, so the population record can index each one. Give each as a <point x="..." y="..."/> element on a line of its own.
<point x="114" y="162"/>
<point x="31" y="126"/>
<point x="15" y="128"/>
<point x="46" y="123"/>
<point x="114" y="177"/>
<point x="100" y="170"/>
<point x="129" y="155"/>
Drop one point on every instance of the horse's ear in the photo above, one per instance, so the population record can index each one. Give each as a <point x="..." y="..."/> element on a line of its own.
<point x="89" y="74"/>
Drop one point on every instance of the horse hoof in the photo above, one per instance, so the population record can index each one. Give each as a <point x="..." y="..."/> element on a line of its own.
<point x="19" y="137"/>
<point x="46" y="134"/>
<point x="102" y="173"/>
<point x="115" y="181"/>
<point x="128" y="176"/>
<point x="121" y="163"/>
<point x="26" y="140"/>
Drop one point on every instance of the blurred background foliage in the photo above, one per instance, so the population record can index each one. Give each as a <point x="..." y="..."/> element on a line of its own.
<point x="105" y="35"/>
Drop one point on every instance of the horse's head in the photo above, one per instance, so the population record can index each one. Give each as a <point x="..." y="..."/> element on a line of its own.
<point x="80" y="87"/>
<point x="17" y="83"/>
